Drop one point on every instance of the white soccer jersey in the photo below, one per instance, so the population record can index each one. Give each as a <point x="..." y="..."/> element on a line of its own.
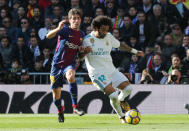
<point x="99" y="60"/>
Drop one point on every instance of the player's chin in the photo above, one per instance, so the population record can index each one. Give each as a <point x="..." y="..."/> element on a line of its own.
<point x="102" y="36"/>
<point x="76" y="25"/>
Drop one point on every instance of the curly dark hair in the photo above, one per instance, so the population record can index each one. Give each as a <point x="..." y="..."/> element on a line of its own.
<point x="102" y="20"/>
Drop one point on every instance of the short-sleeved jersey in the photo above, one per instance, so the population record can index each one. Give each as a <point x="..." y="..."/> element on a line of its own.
<point x="99" y="60"/>
<point x="67" y="47"/>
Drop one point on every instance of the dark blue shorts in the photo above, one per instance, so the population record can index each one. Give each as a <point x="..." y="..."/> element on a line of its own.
<point x="57" y="75"/>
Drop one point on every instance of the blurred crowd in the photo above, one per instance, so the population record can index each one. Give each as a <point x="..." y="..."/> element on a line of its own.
<point x="157" y="27"/>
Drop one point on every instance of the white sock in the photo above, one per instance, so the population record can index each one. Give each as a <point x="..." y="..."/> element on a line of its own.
<point x="124" y="93"/>
<point x="116" y="104"/>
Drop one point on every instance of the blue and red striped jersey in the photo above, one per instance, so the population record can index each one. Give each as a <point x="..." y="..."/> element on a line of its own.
<point x="67" y="47"/>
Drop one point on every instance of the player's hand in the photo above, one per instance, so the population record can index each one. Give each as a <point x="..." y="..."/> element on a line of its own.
<point x="61" y="24"/>
<point x="85" y="50"/>
<point x="140" y="53"/>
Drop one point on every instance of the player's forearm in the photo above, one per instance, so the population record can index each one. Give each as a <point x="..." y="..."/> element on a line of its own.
<point x="83" y="51"/>
<point x="52" y="33"/>
<point x="127" y="48"/>
<point x="81" y="56"/>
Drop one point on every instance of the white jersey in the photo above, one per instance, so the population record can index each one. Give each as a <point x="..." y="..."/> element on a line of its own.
<point x="99" y="60"/>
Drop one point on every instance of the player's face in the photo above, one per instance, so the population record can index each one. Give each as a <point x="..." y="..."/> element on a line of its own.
<point x="75" y="22"/>
<point x="103" y="31"/>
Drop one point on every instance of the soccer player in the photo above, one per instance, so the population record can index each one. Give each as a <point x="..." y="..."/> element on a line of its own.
<point x="99" y="64"/>
<point x="69" y="43"/>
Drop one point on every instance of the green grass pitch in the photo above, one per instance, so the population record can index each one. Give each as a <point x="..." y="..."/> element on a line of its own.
<point x="99" y="122"/>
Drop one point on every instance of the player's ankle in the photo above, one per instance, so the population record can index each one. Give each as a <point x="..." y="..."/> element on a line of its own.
<point x="61" y="110"/>
<point x="75" y="106"/>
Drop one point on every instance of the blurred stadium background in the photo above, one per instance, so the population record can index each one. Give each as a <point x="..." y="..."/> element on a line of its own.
<point x="25" y="97"/>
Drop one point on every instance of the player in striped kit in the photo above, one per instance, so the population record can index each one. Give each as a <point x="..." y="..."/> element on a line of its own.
<point x="69" y="43"/>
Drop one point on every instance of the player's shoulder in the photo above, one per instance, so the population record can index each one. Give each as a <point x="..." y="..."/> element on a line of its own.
<point x="64" y="29"/>
<point x="82" y="33"/>
<point x="109" y="34"/>
<point x="88" y="37"/>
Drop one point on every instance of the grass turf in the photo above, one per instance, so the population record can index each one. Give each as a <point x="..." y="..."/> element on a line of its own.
<point x="100" y="122"/>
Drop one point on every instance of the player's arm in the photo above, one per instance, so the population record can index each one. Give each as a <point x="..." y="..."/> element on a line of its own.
<point x="125" y="47"/>
<point x="53" y="32"/>
<point x="83" y="51"/>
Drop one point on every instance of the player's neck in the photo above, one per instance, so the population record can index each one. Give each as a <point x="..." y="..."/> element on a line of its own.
<point x="96" y="34"/>
<point x="76" y="29"/>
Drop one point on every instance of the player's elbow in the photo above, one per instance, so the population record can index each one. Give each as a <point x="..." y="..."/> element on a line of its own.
<point x="48" y="36"/>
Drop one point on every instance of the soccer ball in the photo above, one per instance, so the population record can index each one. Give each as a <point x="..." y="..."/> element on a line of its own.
<point x="133" y="117"/>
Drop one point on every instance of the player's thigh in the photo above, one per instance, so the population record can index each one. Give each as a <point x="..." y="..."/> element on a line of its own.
<point x="56" y="78"/>
<point x="101" y="81"/>
<point x="109" y="89"/>
<point x="69" y="73"/>
<point x="119" y="80"/>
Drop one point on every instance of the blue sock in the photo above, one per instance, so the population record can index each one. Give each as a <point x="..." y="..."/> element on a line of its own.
<point x="58" y="104"/>
<point x="73" y="92"/>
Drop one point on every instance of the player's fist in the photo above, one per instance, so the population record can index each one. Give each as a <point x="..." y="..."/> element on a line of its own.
<point x="85" y="50"/>
<point x="61" y="24"/>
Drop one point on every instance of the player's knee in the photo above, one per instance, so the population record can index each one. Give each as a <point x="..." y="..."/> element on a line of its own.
<point x="123" y="85"/>
<point x="113" y="95"/>
<point x="56" y="95"/>
<point x="125" y="92"/>
<point x="128" y="89"/>
<point x="71" y="79"/>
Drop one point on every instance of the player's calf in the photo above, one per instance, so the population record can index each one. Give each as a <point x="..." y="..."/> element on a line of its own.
<point x="125" y="105"/>
<point x="124" y="93"/>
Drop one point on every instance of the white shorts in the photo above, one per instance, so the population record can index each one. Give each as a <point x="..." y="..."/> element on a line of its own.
<point x="103" y="80"/>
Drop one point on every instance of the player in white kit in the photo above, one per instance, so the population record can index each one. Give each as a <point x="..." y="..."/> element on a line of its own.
<point x="100" y="67"/>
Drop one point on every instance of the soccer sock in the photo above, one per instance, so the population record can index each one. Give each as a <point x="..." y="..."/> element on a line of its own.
<point x="116" y="104"/>
<point x="73" y="92"/>
<point x="58" y="104"/>
<point x="124" y="93"/>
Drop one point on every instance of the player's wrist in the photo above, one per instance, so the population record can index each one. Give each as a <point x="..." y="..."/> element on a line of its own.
<point x="134" y="51"/>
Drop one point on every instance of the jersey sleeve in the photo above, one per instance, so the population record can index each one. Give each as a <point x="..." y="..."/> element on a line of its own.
<point x="115" y="43"/>
<point x="63" y="32"/>
<point x="86" y="41"/>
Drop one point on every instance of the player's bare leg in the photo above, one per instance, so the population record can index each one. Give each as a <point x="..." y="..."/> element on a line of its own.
<point x="126" y="89"/>
<point x="113" y="95"/>
<point x="57" y="101"/>
<point x="70" y="76"/>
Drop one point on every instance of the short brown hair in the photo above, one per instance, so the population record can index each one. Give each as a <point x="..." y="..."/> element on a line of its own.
<point x="74" y="11"/>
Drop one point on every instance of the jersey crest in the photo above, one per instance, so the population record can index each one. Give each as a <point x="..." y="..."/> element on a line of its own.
<point x="92" y="40"/>
<point x="107" y="43"/>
